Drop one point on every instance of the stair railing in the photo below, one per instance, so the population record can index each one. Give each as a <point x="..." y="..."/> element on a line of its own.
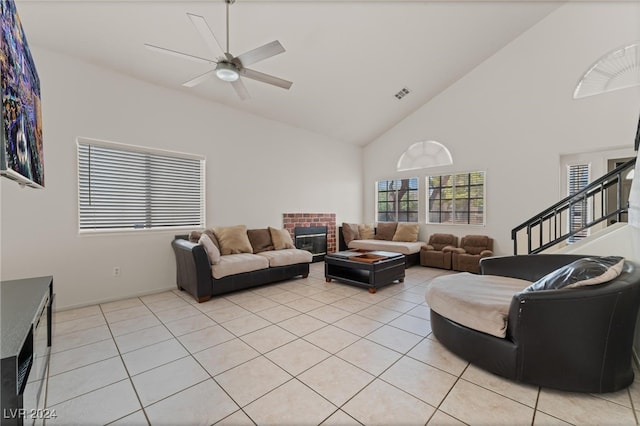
<point x="551" y="226"/>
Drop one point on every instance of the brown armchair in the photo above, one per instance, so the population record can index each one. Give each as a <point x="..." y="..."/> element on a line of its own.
<point x="466" y="258"/>
<point x="437" y="252"/>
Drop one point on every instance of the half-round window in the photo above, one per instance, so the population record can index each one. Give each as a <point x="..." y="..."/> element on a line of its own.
<point x="618" y="69"/>
<point x="424" y="154"/>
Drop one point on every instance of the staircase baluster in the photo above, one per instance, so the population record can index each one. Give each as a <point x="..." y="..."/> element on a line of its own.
<point x="599" y="186"/>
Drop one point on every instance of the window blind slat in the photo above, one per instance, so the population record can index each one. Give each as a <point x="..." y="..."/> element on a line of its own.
<point x="120" y="188"/>
<point x="578" y="179"/>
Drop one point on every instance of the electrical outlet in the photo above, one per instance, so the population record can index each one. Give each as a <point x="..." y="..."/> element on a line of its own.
<point x="116" y="271"/>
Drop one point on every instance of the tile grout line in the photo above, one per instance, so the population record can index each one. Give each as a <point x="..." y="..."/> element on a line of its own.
<point x="120" y="354"/>
<point x="379" y="376"/>
<point x="126" y="369"/>
<point x="297" y="337"/>
<point x="190" y="355"/>
<point x="292" y="376"/>
<point x="535" y="407"/>
<point x="633" y="408"/>
<point x="444" y="398"/>
<point x="96" y="362"/>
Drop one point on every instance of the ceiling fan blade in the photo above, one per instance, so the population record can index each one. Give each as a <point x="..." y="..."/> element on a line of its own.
<point x="207" y="35"/>
<point x="240" y="89"/>
<point x="180" y="54"/>
<point x="260" y="53"/>
<point x="265" y="78"/>
<point x="199" y="79"/>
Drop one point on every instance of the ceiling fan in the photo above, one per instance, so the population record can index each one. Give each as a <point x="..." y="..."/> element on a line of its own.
<point x="229" y="68"/>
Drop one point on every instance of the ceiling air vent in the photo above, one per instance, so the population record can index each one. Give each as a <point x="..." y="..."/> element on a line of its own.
<point x="402" y="93"/>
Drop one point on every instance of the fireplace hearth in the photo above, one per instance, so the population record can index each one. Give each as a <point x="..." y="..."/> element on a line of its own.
<point x="312" y="239"/>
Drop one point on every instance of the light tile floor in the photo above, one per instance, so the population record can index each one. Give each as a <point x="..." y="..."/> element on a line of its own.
<point x="293" y="353"/>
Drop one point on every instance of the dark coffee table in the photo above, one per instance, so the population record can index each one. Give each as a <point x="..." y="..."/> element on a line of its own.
<point x="369" y="269"/>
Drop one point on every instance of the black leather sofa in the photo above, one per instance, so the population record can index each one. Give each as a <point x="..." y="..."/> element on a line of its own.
<point x="194" y="275"/>
<point x="577" y="340"/>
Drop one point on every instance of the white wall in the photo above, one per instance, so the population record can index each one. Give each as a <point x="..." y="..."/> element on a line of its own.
<point x="514" y="115"/>
<point x="252" y="177"/>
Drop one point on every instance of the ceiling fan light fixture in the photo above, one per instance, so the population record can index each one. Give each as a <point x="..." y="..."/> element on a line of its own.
<point x="226" y="71"/>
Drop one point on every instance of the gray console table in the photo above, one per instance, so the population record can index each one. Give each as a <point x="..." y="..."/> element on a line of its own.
<point x="25" y="332"/>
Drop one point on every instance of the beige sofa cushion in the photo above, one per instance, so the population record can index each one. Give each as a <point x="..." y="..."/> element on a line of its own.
<point x="194" y="236"/>
<point x="394" y="246"/>
<point x="286" y="257"/>
<point x="367" y="231"/>
<point x="281" y="239"/>
<point x="213" y="237"/>
<point x="406" y="232"/>
<point x="480" y="302"/>
<point x="232" y="264"/>
<point x="233" y="239"/>
<point x="212" y="251"/>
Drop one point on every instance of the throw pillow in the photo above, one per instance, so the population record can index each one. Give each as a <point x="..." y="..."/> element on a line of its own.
<point x="211" y="235"/>
<point x="281" y="239"/>
<point x="210" y="248"/>
<point x="260" y="240"/>
<point x="194" y="236"/>
<point x="407" y="232"/>
<point x="582" y="272"/>
<point x="386" y="230"/>
<point x="350" y="232"/>
<point x="366" y="231"/>
<point x="233" y="239"/>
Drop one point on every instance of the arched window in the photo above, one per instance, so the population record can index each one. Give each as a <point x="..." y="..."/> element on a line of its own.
<point x="618" y="69"/>
<point x="424" y="154"/>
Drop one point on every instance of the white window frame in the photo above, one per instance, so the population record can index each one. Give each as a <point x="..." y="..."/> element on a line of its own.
<point x="166" y="198"/>
<point x="453" y="221"/>
<point x="398" y="211"/>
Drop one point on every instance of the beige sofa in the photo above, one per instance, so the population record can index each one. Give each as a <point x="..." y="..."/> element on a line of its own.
<point x="397" y="237"/>
<point x="221" y="260"/>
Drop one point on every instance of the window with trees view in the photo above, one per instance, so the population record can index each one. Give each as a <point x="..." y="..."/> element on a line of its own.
<point x="456" y="199"/>
<point x="398" y="200"/>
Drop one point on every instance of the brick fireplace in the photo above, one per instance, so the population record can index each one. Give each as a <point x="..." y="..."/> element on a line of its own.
<point x="290" y="221"/>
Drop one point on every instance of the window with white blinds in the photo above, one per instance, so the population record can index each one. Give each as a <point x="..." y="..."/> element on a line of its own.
<point x="123" y="187"/>
<point x="578" y="176"/>
<point x="456" y="199"/>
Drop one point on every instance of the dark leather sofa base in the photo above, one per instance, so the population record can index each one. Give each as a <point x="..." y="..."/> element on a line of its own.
<point x="255" y="278"/>
<point x="193" y="273"/>
<point x="483" y="350"/>
<point x="411" y="259"/>
<point x="575" y="340"/>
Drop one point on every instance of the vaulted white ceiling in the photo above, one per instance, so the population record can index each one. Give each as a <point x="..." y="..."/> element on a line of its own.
<point x="346" y="59"/>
